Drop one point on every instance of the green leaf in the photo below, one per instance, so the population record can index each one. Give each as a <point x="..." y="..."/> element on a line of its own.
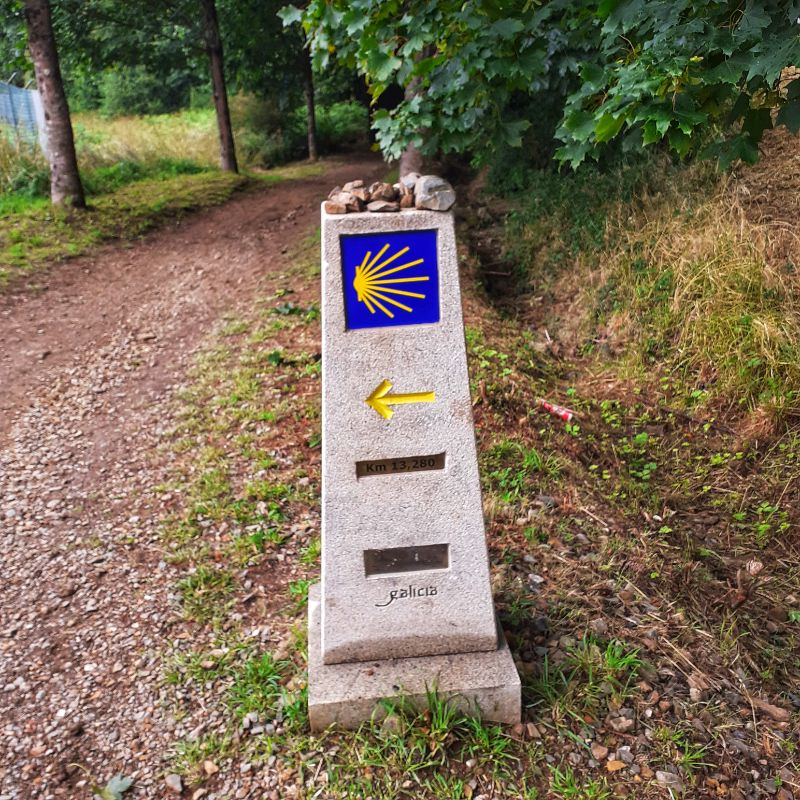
<point x="651" y="133"/>
<point x="789" y="115"/>
<point x="290" y="14"/>
<point x="606" y="7"/>
<point x="739" y="148"/>
<point x="775" y="54"/>
<point x="512" y="132"/>
<point x="680" y="142"/>
<point x="505" y="28"/>
<point x="662" y="118"/>
<point x="608" y="127"/>
<point x="413" y="45"/>
<point x="580" y="124"/>
<point x="739" y="109"/>
<point x="729" y="71"/>
<point x="573" y="153"/>
<point x="381" y="65"/>
<point x="754" y="20"/>
<point x="592" y="75"/>
<point x="756" y="121"/>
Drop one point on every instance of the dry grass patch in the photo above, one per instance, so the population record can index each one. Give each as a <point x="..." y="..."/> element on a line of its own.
<point x="185" y="135"/>
<point x="691" y="288"/>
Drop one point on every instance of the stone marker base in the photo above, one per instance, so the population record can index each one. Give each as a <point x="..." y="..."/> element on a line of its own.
<point x="483" y="684"/>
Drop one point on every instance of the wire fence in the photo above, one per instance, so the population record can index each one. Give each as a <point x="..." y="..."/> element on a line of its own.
<point x="21" y="112"/>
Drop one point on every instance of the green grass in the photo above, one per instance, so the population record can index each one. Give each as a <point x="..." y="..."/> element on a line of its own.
<point x="189" y="755"/>
<point x="513" y="470"/>
<point x="676" y="746"/>
<point x="592" y="679"/>
<point x="204" y="592"/>
<point x="14" y="204"/>
<point x="566" y="785"/>
<point x="310" y="554"/>
<point x="256" y="686"/>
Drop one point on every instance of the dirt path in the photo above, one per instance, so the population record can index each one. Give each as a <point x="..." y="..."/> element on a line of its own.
<point x="86" y="370"/>
<point x="162" y="291"/>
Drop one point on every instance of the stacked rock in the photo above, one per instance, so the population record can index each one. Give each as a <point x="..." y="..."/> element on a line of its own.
<point x="428" y="192"/>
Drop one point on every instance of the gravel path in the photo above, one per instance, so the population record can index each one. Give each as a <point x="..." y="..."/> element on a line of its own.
<point x="87" y="372"/>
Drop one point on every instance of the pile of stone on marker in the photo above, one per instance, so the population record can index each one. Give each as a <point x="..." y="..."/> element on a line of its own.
<point x="429" y="192"/>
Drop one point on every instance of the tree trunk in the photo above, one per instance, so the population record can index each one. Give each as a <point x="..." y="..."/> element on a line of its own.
<point x="411" y="160"/>
<point x="227" y="150"/>
<point x="308" y="90"/>
<point x="65" y="180"/>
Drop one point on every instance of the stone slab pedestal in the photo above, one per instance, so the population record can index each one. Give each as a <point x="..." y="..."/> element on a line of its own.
<point x="484" y="684"/>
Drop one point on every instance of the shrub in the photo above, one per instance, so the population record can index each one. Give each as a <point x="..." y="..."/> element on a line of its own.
<point x="83" y="89"/>
<point x="23" y="170"/>
<point x="107" y="179"/>
<point x="340" y="126"/>
<point x="127" y="91"/>
<point x="266" y="134"/>
<point x="262" y="149"/>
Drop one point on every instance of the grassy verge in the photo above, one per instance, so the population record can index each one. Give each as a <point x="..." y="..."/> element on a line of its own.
<point x="114" y="152"/>
<point x="673" y="337"/>
<point x="669" y="278"/>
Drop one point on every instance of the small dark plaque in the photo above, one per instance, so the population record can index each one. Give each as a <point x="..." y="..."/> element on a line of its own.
<point x="391" y="466"/>
<point x="406" y="559"/>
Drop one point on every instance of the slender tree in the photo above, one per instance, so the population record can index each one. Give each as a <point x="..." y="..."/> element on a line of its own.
<point x="65" y="180"/>
<point x="311" y="114"/>
<point x="213" y="43"/>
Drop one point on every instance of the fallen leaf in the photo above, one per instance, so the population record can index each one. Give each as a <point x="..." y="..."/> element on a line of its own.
<point x="776" y="712"/>
<point x="116" y="787"/>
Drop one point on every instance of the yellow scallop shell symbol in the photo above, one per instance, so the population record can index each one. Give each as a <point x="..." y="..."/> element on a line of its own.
<point x="373" y="286"/>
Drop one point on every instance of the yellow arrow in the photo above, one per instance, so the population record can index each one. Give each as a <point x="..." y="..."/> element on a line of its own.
<point x="380" y="399"/>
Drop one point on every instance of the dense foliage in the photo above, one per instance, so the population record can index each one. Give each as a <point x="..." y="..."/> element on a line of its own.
<point x="696" y="75"/>
<point x="16" y="67"/>
<point x="144" y="57"/>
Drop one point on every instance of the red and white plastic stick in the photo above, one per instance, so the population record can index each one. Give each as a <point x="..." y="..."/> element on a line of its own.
<point x="562" y="413"/>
